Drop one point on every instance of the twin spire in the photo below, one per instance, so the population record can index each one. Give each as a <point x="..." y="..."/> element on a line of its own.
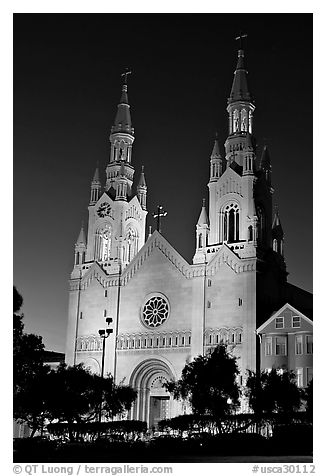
<point x="122" y="122"/>
<point x="240" y="90"/>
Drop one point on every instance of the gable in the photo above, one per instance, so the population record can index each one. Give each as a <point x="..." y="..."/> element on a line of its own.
<point x="286" y="315"/>
<point x="230" y="182"/>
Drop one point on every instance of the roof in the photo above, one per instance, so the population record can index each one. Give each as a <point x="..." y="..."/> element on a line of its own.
<point x="272" y="317"/>
<point x="203" y="218"/>
<point x="216" y="150"/>
<point x="265" y="161"/>
<point x="81" y="238"/>
<point x="122" y="122"/>
<point x="239" y="90"/>
<point x="142" y="181"/>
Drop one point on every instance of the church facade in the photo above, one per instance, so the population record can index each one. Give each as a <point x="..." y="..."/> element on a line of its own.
<point x="164" y="310"/>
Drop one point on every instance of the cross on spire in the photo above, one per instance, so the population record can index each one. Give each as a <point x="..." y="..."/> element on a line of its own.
<point x="125" y="75"/>
<point x="239" y="38"/>
<point x="160" y="213"/>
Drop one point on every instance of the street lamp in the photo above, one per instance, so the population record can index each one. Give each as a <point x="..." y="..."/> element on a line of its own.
<point x="104" y="334"/>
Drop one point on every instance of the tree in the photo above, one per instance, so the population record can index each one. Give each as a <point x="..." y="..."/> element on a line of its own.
<point x="209" y="384"/>
<point x="28" y="349"/>
<point x="28" y="371"/>
<point x="273" y="391"/>
<point x="75" y="395"/>
<point x="308" y="398"/>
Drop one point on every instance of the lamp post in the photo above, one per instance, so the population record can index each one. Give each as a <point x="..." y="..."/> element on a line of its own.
<point x="104" y="334"/>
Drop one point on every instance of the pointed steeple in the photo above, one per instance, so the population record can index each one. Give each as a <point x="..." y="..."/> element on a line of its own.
<point x="142" y="181"/>
<point x="122" y="122"/>
<point x="277" y="226"/>
<point x="80" y="247"/>
<point x="121" y="138"/>
<point x="277" y="235"/>
<point x="95" y="187"/>
<point x="240" y="90"/>
<point x="240" y="108"/>
<point x="203" y="217"/>
<point x="265" y="161"/>
<point x="265" y="165"/>
<point x="216" y="162"/>
<point x="81" y="237"/>
<point x="96" y="178"/>
<point x="142" y="189"/>
<point x="216" y="149"/>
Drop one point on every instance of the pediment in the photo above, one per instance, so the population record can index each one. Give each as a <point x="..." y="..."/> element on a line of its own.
<point x="230" y="182"/>
<point x="226" y="256"/>
<point x="154" y="243"/>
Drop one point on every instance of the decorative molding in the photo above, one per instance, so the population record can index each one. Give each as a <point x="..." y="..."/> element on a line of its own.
<point x="154" y="340"/>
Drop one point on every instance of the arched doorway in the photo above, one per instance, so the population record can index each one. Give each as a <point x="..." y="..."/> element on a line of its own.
<point x="153" y="400"/>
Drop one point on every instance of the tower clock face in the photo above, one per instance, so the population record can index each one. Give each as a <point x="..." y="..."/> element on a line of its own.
<point x="103" y="210"/>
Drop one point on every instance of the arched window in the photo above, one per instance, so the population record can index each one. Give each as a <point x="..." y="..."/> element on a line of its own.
<point x="250" y="233"/>
<point x="275" y="245"/>
<point x="231" y="222"/>
<point x="103" y="242"/>
<point x="122" y="149"/>
<point x="132" y="244"/>
<point x="244" y="124"/>
<point x="235" y="120"/>
<point x="200" y="240"/>
<point x="250" y="122"/>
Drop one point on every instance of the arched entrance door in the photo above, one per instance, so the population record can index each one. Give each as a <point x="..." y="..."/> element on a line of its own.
<point x="153" y="400"/>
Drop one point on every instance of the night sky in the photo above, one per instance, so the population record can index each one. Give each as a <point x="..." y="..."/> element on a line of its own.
<point x="67" y="83"/>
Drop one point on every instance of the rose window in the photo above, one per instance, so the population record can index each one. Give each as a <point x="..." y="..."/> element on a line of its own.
<point x="155" y="311"/>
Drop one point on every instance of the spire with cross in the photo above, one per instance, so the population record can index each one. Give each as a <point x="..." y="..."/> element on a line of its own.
<point x="240" y="38"/>
<point x="160" y="213"/>
<point x="125" y="75"/>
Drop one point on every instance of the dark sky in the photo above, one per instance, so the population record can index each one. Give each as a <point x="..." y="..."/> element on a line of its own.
<point x="67" y="85"/>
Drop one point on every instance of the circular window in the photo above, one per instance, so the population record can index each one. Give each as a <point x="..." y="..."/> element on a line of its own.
<point x="155" y="311"/>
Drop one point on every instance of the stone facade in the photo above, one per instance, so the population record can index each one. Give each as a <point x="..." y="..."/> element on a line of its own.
<point x="164" y="310"/>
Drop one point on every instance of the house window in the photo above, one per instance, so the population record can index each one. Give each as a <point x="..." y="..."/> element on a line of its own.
<point x="268" y="346"/>
<point x="189" y="340"/>
<point x="280" y="345"/>
<point x="145" y="342"/>
<point x="183" y="341"/>
<point x="309" y="344"/>
<point x="309" y="374"/>
<point x="170" y="340"/>
<point x="216" y="339"/>
<point x="210" y="338"/>
<point x="296" y="321"/>
<point x="176" y="341"/>
<point x="163" y="341"/>
<point x="279" y="322"/>
<point x="233" y="338"/>
<point x="299" y="377"/>
<point x="298" y="345"/>
<point x="240" y="302"/>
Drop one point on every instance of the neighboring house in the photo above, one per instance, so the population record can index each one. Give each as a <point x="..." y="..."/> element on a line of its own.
<point x="286" y="342"/>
